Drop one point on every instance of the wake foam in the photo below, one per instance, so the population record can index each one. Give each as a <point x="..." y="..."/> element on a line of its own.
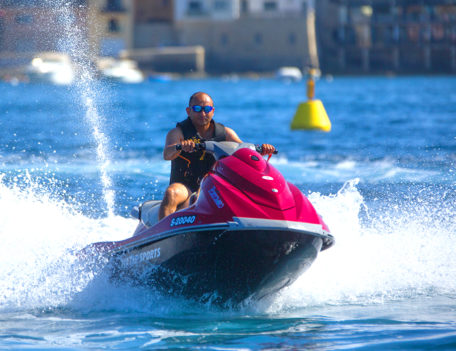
<point x="391" y="253"/>
<point x="40" y="237"/>
<point x="400" y="252"/>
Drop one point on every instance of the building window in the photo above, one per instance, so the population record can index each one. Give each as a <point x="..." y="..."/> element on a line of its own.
<point x="224" y="39"/>
<point x="258" y="38"/>
<point x="113" y="26"/>
<point x="23" y="19"/>
<point x="244" y="6"/>
<point x="195" y="8"/>
<point x="270" y="6"/>
<point x="114" y="6"/>
<point x="292" y="38"/>
<point x="220" y="5"/>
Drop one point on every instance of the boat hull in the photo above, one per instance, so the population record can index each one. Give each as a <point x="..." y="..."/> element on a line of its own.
<point x="220" y="265"/>
<point x="249" y="234"/>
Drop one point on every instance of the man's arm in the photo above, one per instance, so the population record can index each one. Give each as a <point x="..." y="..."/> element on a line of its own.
<point x="231" y="135"/>
<point x="174" y="136"/>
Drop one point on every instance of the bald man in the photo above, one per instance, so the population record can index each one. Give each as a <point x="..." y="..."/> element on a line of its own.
<point x="189" y="166"/>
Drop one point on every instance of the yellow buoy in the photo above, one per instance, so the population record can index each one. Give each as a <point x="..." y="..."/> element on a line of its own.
<point x="311" y="114"/>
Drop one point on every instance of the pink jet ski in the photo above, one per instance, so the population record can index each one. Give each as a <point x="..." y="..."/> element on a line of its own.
<point x="249" y="234"/>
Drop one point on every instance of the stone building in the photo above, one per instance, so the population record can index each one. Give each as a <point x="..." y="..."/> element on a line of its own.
<point x="153" y="24"/>
<point x="378" y="36"/>
<point x="27" y="27"/>
<point x="111" y="26"/>
<point x="237" y="35"/>
<point x="31" y="26"/>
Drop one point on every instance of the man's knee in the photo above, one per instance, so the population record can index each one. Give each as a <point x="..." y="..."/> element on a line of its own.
<point x="170" y="193"/>
<point x="176" y="193"/>
<point x="176" y="196"/>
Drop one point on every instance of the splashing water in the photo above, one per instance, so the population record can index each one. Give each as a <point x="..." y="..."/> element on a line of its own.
<point x="386" y="258"/>
<point x="103" y="160"/>
<point x="73" y="40"/>
<point x="38" y="261"/>
<point x="394" y="255"/>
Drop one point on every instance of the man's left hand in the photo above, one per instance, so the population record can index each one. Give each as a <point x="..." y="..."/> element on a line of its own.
<point x="267" y="149"/>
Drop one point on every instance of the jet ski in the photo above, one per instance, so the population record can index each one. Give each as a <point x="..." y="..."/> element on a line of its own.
<point x="249" y="234"/>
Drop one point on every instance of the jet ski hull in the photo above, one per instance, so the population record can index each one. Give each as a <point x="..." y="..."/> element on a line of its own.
<point x="220" y="264"/>
<point x="249" y="234"/>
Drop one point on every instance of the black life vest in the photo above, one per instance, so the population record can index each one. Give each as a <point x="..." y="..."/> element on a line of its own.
<point x="190" y="167"/>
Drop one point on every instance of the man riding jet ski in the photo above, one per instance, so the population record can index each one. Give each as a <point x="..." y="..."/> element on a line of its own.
<point x="248" y="234"/>
<point x="188" y="165"/>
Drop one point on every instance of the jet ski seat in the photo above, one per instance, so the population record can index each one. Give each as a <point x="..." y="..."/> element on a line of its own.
<point x="147" y="212"/>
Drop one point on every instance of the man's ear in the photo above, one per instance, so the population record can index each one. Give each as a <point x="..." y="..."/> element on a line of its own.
<point x="188" y="111"/>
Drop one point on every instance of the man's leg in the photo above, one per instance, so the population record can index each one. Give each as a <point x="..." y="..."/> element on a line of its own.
<point x="176" y="197"/>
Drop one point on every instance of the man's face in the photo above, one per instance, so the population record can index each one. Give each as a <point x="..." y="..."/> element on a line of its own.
<point x="202" y="118"/>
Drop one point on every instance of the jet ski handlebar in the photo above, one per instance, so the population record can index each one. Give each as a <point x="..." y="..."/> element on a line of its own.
<point x="259" y="149"/>
<point x="224" y="148"/>
<point x="198" y="146"/>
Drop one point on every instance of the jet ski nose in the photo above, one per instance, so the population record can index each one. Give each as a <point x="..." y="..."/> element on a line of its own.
<point x="135" y="213"/>
<point x="252" y="158"/>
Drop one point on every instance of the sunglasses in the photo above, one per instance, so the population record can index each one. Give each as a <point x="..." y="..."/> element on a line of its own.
<point x="206" y="109"/>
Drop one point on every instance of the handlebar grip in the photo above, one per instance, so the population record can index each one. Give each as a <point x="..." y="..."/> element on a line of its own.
<point x="198" y="146"/>
<point x="259" y="149"/>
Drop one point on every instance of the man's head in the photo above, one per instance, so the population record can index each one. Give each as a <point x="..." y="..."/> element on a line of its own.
<point x="200" y="109"/>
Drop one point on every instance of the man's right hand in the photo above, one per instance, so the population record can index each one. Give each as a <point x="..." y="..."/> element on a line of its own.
<point x="267" y="149"/>
<point x="188" y="145"/>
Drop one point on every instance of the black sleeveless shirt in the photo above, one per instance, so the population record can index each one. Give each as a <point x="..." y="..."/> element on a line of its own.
<point x="196" y="165"/>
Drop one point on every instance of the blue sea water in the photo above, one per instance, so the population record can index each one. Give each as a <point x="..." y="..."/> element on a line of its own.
<point x="74" y="160"/>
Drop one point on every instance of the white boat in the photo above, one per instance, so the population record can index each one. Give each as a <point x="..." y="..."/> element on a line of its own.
<point x="122" y="71"/>
<point x="51" y="67"/>
<point x="289" y="74"/>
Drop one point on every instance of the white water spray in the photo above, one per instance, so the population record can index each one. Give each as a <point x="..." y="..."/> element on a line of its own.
<point x="394" y="254"/>
<point x="74" y="41"/>
<point x="41" y="236"/>
<point x="385" y="258"/>
<point x="103" y="160"/>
